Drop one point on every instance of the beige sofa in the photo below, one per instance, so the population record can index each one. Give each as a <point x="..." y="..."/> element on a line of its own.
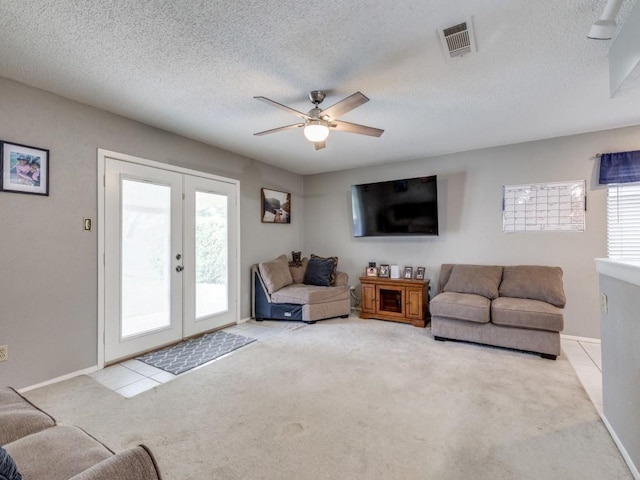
<point x="41" y="449"/>
<point x="281" y="291"/>
<point x="518" y="307"/>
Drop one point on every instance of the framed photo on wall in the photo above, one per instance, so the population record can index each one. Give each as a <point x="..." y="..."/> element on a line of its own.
<point x="24" y="169"/>
<point x="276" y="206"/>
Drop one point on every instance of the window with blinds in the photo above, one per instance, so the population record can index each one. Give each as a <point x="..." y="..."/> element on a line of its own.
<point x="623" y="221"/>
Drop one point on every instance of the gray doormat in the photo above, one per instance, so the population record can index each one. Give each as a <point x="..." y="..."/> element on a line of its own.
<point x="195" y="351"/>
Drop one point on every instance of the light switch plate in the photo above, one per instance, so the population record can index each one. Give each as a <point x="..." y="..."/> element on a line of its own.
<point x="604" y="303"/>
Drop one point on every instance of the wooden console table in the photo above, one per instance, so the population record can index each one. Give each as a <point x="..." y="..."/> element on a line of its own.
<point x="395" y="299"/>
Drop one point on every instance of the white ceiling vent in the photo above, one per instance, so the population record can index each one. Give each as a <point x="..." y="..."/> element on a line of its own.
<point x="457" y="40"/>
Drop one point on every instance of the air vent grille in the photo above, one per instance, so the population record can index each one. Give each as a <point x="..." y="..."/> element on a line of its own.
<point x="461" y="27"/>
<point x="457" y="40"/>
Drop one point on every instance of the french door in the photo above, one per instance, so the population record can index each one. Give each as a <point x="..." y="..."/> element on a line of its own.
<point x="170" y="256"/>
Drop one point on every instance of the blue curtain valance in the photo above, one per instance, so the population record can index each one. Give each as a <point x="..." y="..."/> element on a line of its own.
<point x="621" y="167"/>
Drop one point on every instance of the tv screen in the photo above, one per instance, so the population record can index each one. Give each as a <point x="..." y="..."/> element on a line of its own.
<point x="396" y="207"/>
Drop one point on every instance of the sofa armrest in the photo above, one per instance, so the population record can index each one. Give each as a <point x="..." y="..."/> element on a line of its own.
<point x="19" y="417"/>
<point x="58" y="452"/>
<point x="137" y="463"/>
<point x="342" y="279"/>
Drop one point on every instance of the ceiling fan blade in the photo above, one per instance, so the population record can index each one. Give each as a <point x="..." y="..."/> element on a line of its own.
<point x="345" y="105"/>
<point x="280" y="129"/>
<point x="320" y="145"/>
<point x="355" y="128"/>
<point x="283" y="107"/>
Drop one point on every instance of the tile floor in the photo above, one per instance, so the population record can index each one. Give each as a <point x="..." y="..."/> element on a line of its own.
<point x="132" y="377"/>
<point x="585" y="357"/>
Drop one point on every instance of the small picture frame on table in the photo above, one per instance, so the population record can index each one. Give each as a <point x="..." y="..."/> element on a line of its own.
<point x="372" y="272"/>
<point x="24" y="169"/>
<point x="420" y="273"/>
<point x="384" y="271"/>
<point x="408" y="272"/>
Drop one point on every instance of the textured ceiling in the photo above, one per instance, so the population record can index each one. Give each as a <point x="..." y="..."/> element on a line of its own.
<point x="192" y="67"/>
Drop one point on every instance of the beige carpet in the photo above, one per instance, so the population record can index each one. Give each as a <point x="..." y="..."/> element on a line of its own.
<point x="356" y="399"/>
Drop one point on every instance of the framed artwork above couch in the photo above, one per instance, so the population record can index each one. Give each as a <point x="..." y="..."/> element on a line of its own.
<point x="276" y="206"/>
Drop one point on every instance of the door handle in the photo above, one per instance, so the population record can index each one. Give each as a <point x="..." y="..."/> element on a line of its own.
<point x="179" y="268"/>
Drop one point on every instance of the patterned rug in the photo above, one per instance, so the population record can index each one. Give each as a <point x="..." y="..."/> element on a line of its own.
<point x="195" y="351"/>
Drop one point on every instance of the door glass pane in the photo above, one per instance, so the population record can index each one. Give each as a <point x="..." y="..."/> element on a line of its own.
<point x="211" y="254"/>
<point x="146" y="257"/>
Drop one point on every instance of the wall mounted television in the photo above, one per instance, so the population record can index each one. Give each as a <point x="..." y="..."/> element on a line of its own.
<point x="395" y="207"/>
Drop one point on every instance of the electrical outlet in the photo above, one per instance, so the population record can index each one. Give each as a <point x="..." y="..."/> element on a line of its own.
<point x="4" y="353"/>
<point x="604" y="303"/>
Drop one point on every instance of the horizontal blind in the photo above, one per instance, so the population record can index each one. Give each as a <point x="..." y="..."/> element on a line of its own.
<point x="623" y="221"/>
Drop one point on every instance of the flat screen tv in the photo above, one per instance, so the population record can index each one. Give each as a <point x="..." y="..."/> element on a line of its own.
<point x="395" y="208"/>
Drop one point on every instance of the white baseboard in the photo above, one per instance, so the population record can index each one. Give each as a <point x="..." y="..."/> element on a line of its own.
<point x="85" y="371"/>
<point x="580" y="339"/>
<point x="623" y="451"/>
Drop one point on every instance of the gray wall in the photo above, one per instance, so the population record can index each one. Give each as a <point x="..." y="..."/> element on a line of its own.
<point x="470" y="201"/>
<point x="48" y="265"/>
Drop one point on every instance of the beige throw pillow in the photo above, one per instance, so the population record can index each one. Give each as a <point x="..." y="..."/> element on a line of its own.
<point x="297" y="273"/>
<point x="535" y="282"/>
<point x="476" y="279"/>
<point x="275" y="274"/>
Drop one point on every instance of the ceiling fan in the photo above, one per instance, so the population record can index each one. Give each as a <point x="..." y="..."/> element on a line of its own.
<point x="318" y="122"/>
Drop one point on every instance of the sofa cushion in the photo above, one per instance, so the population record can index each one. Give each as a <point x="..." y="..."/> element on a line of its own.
<point x="462" y="306"/>
<point x="319" y="271"/>
<point x="57" y="453"/>
<point x="445" y="271"/>
<point x="534" y="282"/>
<point x="300" y="294"/>
<point x="525" y="313"/>
<point x="335" y="266"/>
<point x="275" y="274"/>
<point x="19" y="417"/>
<point x="137" y="463"/>
<point x="476" y="279"/>
<point x="298" y="271"/>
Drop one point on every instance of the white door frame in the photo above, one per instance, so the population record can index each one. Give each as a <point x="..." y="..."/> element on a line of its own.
<point x="102" y="155"/>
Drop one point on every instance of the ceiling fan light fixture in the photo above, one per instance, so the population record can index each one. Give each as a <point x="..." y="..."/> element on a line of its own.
<point x="318" y="121"/>
<point x="316" y="130"/>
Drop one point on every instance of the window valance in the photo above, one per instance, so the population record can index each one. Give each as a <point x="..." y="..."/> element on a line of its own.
<point x="620" y="167"/>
